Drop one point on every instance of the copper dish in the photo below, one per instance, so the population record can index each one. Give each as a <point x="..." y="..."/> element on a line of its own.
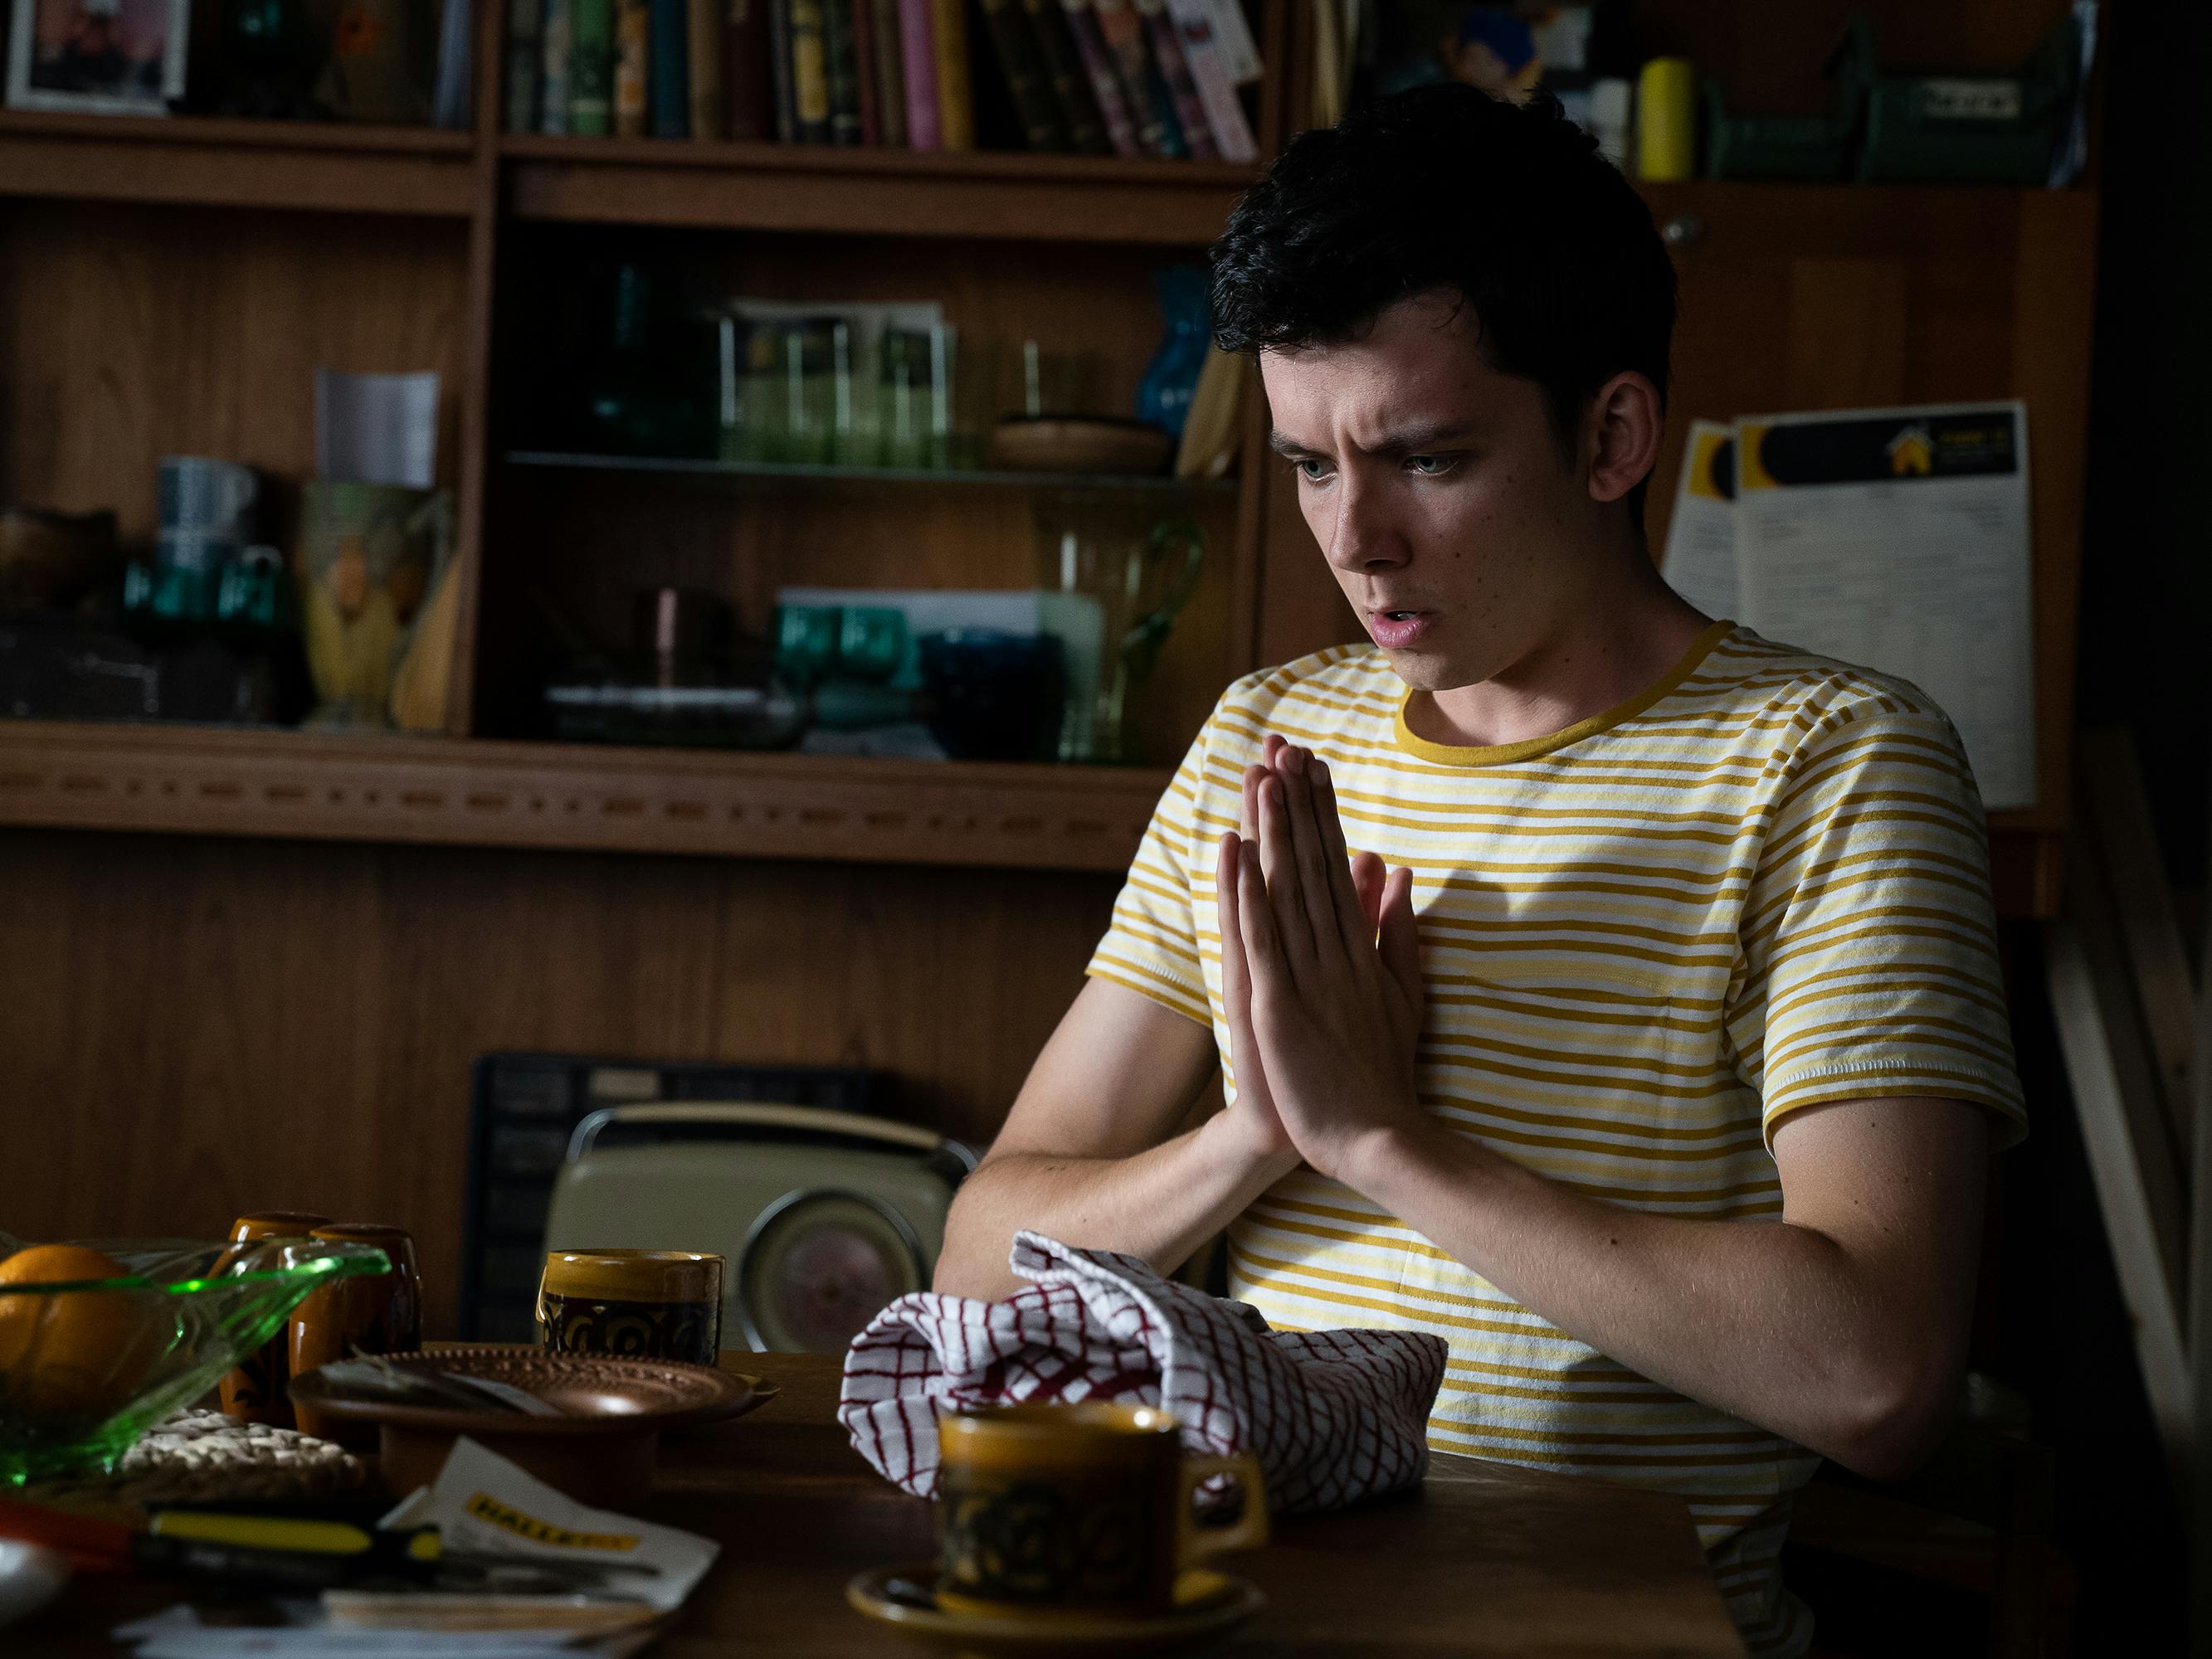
<point x="1067" y="443"/>
<point x="601" y="1452"/>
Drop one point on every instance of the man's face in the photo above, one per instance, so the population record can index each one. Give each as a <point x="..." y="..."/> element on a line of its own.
<point x="1437" y="490"/>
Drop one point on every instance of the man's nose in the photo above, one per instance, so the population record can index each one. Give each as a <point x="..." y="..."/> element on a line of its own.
<point x="1364" y="535"/>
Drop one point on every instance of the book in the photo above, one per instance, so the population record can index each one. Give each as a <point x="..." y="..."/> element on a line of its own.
<point x="525" y="56"/>
<point x="1149" y="106"/>
<point x="956" y="97"/>
<point x="1021" y="61"/>
<point x="553" y="69"/>
<point x="1217" y="91"/>
<point x="1071" y="87"/>
<point x="591" y="67"/>
<point x="703" y="52"/>
<point x="1232" y="38"/>
<point x="863" y="69"/>
<point x="840" y="67"/>
<point x="779" y="60"/>
<point x="668" y="66"/>
<point x="748" y="88"/>
<point x="1175" y="70"/>
<point x="917" y="64"/>
<point x="633" y="51"/>
<point x="810" y="73"/>
<point x="1097" y="60"/>
<point x="449" y="82"/>
<point x="890" y="73"/>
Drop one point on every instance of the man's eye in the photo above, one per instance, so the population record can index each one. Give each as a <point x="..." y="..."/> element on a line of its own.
<point x="1430" y="466"/>
<point x="1311" y="471"/>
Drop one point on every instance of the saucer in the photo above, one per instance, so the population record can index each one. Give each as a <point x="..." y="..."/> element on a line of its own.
<point x="1207" y="1605"/>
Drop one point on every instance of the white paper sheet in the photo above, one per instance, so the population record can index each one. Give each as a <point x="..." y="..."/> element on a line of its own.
<point x="1700" y="561"/>
<point x="1898" y="539"/>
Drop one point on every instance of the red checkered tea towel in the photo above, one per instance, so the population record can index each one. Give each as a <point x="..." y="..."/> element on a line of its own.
<point x="1333" y="1416"/>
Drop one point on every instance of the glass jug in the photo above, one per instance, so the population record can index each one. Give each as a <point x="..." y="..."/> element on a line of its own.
<point x="1116" y="574"/>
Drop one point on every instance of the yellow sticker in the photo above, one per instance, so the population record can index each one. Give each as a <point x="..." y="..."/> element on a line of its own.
<point x="490" y="1511"/>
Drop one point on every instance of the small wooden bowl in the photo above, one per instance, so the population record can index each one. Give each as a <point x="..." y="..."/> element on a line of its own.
<point x="1073" y="444"/>
<point x="601" y="1452"/>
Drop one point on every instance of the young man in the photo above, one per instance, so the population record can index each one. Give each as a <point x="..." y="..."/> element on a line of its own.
<point x="1610" y="991"/>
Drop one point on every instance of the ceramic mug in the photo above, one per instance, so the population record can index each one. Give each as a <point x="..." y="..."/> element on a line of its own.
<point x="632" y="1304"/>
<point x="254" y="1392"/>
<point x="1084" y="1509"/>
<point x="374" y="1313"/>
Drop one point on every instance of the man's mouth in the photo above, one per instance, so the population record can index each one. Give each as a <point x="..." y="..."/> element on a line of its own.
<point x="1394" y="629"/>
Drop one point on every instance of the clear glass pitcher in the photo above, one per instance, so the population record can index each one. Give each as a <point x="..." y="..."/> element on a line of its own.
<point x="1116" y="569"/>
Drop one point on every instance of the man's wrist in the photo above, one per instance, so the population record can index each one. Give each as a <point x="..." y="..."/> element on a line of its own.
<point x="1232" y="1138"/>
<point x="1377" y="1163"/>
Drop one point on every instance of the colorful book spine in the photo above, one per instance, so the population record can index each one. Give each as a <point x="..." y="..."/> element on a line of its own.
<point x="918" y="63"/>
<point x="1175" y="70"/>
<point x="1097" y="59"/>
<point x="1063" y="68"/>
<point x="890" y="72"/>
<point x="668" y="67"/>
<point x="703" y="48"/>
<point x="1232" y="38"/>
<point x="1023" y="65"/>
<point x="840" y="65"/>
<point x="591" y="67"/>
<point x="748" y="88"/>
<point x="779" y="59"/>
<point x="553" y="69"/>
<point x="864" y="70"/>
<point x="955" y="94"/>
<point x="1149" y="106"/>
<point x="810" y="73"/>
<point x="633" y="55"/>
<point x="526" y="55"/>
<point x="1217" y="91"/>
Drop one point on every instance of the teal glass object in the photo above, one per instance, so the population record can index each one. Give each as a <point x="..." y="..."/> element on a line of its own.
<point x="183" y="1314"/>
<point x="806" y="642"/>
<point x="1164" y="395"/>
<point x="870" y="642"/>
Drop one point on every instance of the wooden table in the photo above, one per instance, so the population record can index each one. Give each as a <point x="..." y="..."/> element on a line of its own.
<point x="1485" y="1559"/>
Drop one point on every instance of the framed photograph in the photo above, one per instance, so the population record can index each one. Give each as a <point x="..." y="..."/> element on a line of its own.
<point x="99" y="57"/>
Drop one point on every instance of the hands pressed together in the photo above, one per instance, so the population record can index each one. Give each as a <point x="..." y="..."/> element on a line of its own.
<point x="1320" y="974"/>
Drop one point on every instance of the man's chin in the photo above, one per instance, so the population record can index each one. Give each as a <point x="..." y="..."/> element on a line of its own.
<point x="1427" y="670"/>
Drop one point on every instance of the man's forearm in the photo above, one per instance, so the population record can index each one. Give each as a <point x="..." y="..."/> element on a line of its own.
<point x="1769" y="1322"/>
<point x="1161" y="1204"/>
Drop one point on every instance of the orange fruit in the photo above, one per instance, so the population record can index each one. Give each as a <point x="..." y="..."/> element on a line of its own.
<point x="81" y="1353"/>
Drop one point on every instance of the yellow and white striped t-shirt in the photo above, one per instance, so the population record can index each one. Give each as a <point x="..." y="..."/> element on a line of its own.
<point x="1761" y="885"/>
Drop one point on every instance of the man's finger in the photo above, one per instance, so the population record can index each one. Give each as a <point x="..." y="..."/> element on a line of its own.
<point x="1368" y="874"/>
<point x="1278" y="863"/>
<point x="1355" y="924"/>
<point x="1401" y="936"/>
<point x="1236" y="972"/>
<point x="1316" y="890"/>
<point x="1263" y="946"/>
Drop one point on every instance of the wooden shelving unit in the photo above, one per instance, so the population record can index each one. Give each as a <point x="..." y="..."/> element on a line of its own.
<point x="480" y="792"/>
<point x="419" y="172"/>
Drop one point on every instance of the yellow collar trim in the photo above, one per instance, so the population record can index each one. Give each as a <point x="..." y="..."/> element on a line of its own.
<point x="1499" y="754"/>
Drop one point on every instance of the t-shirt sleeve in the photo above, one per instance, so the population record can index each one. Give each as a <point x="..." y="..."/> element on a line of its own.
<point x="1151" y="946"/>
<point x="1867" y="958"/>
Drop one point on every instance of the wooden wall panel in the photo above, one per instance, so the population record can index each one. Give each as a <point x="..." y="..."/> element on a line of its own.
<point x="193" y="1027"/>
<point x="131" y="332"/>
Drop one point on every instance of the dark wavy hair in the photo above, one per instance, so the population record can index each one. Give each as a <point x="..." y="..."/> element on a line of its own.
<point x="1444" y="187"/>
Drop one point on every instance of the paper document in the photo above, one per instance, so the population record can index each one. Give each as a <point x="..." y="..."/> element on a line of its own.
<point x="376" y="428"/>
<point x="1700" y="561"/>
<point x="1898" y="539"/>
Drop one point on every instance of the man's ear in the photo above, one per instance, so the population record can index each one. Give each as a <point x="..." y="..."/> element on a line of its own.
<point x="1622" y="427"/>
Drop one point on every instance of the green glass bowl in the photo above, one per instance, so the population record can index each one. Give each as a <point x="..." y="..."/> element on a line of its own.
<point x="86" y="1367"/>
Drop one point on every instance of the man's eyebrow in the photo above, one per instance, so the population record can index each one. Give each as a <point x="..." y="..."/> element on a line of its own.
<point x="1413" y="440"/>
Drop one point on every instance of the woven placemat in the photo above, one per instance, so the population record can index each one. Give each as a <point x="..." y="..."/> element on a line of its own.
<point x="199" y="1456"/>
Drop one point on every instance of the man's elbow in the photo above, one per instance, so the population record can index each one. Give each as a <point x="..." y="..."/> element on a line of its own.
<point x="1893" y="1418"/>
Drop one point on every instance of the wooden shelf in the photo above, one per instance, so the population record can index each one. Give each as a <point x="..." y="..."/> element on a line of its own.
<point x="1013" y="195"/>
<point x="476" y="792"/>
<point x="772" y="472"/>
<point x="422" y="172"/>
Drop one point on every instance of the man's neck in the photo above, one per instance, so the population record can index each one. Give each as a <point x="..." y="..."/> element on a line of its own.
<point x="1627" y="633"/>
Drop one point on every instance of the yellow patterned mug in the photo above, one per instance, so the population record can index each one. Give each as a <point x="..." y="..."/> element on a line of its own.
<point x="632" y="1304"/>
<point x="1076" y="1509"/>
